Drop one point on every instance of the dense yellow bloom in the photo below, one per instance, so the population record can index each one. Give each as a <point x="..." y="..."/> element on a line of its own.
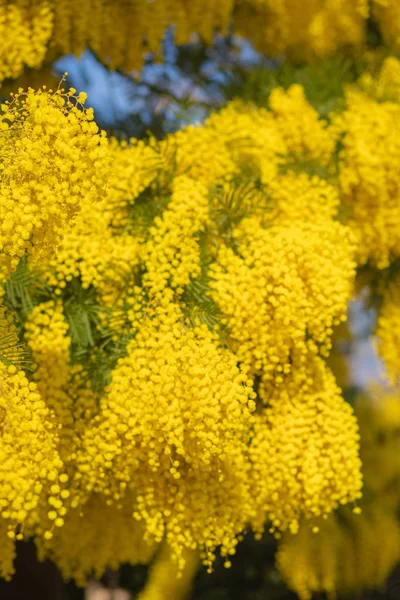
<point x="382" y="84"/>
<point x="122" y="33"/>
<point x="347" y="555"/>
<point x="242" y="136"/>
<point x="351" y="553"/>
<point x="165" y="448"/>
<point x="164" y="580"/>
<point x="96" y="536"/>
<point x="172" y="254"/>
<point x="25" y="30"/>
<point x="174" y="426"/>
<point x="310" y="562"/>
<point x="283" y="289"/>
<point x="306" y="136"/>
<point x="201" y="154"/>
<point x="305" y="448"/>
<point x="91" y="252"/>
<point x="302" y="29"/>
<point x="48" y="339"/>
<point x="63" y="387"/>
<point x="52" y="157"/>
<point x="301" y="198"/>
<point x="30" y="463"/>
<point x="369" y="168"/>
<point x="134" y="167"/>
<point x="248" y="138"/>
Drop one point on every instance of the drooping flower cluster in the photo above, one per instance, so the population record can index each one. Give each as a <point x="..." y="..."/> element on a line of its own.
<point x="164" y="579"/>
<point x="179" y="324"/>
<point x="30" y="464"/>
<point x="120" y="33"/>
<point x="26" y="31"/>
<point x="94" y="537"/>
<point x="350" y="553"/>
<point x="346" y="555"/>
<point x="283" y="305"/>
<point x="303" y="30"/>
<point x="52" y="156"/>
<point x="173" y="427"/>
<point x="369" y="165"/>
<point x="305" y="448"/>
<point x="172" y="254"/>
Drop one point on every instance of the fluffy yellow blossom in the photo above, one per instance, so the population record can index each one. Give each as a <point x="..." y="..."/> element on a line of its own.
<point x="172" y="254"/>
<point x="174" y="426"/>
<point x="283" y="288"/>
<point x="121" y="34"/>
<point x="164" y="580"/>
<point x="302" y="30"/>
<point x="52" y="157"/>
<point x="201" y="154"/>
<point x="25" y="30"/>
<point x="347" y="555"/>
<point x="94" y="537"/>
<point x="310" y="562"/>
<point x="306" y="136"/>
<point x="152" y="413"/>
<point x="49" y="342"/>
<point x="305" y="448"/>
<point x="300" y="197"/>
<point x="134" y="167"/>
<point x="64" y="387"/>
<point x="89" y="251"/>
<point x="252" y="138"/>
<point x="30" y="463"/>
<point x="383" y="85"/>
<point x="369" y="174"/>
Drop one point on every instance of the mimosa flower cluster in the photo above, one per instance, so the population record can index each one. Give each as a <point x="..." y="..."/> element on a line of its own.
<point x="179" y="301"/>
<point x="120" y="33"/>
<point x="52" y="156"/>
<point x="350" y="553"/>
<point x="31" y="468"/>
<point x="314" y="437"/>
<point x="174" y="426"/>
<point x="347" y="555"/>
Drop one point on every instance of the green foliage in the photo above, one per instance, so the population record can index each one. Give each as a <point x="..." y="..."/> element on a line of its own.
<point x="24" y="290"/>
<point x="13" y="352"/>
<point x="323" y="81"/>
<point x="198" y="306"/>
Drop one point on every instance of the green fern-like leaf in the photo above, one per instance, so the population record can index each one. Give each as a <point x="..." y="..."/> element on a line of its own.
<point x="12" y="350"/>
